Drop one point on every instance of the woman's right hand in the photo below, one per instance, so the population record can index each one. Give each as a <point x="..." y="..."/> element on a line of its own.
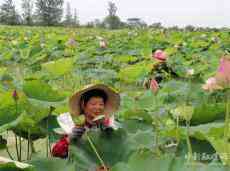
<point x="77" y="132"/>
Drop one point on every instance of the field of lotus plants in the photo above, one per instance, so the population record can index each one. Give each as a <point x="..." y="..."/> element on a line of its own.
<point x="174" y="87"/>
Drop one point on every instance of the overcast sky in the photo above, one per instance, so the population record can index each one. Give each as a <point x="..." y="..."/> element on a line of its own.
<point x="214" y="13"/>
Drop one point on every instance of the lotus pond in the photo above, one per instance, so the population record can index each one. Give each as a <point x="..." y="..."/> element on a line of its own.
<point x="174" y="87"/>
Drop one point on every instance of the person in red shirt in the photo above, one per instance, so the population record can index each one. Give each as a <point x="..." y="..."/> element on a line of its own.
<point x="92" y="101"/>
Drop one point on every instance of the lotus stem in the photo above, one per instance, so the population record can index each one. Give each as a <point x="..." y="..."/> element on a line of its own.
<point x="8" y="152"/>
<point x="16" y="146"/>
<point x="20" y="148"/>
<point x="226" y="128"/>
<point x="188" y="142"/>
<point x="28" y="146"/>
<point x="95" y="150"/>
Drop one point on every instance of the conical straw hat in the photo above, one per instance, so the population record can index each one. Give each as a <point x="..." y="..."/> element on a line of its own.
<point x="112" y="104"/>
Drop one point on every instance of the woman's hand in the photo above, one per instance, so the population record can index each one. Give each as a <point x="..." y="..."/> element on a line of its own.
<point x="106" y="126"/>
<point x="77" y="132"/>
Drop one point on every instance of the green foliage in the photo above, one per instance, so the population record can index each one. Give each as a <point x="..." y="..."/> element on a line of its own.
<point x="49" y="11"/>
<point x="40" y="90"/>
<point x="8" y="14"/>
<point x="51" y="164"/>
<point x="45" y="71"/>
<point x="58" y="68"/>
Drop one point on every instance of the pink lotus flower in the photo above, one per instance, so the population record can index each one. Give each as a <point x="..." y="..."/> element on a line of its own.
<point x="110" y="122"/>
<point x="71" y="43"/>
<point x="103" y="44"/>
<point x="223" y="73"/>
<point x="190" y="72"/>
<point x="159" y="55"/>
<point x="211" y="85"/>
<point x="154" y="85"/>
<point x="15" y="95"/>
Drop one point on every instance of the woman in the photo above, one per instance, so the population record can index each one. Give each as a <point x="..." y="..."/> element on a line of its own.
<point x="92" y="101"/>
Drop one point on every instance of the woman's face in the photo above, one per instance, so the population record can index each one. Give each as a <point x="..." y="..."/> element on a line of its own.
<point x="94" y="107"/>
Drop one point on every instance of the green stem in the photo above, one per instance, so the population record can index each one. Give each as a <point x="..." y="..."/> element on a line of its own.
<point x="48" y="149"/>
<point x="47" y="146"/>
<point x="16" y="146"/>
<point x="28" y="146"/>
<point x="157" y="137"/>
<point x="20" y="148"/>
<point x="226" y="126"/>
<point x="32" y="148"/>
<point x="95" y="150"/>
<point x="177" y="130"/>
<point x="8" y="152"/>
<point x="188" y="143"/>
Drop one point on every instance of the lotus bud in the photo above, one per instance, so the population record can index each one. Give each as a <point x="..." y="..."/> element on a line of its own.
<point x="15" y="95"/>
<point x="154" y="86"/>
<point x="160" y="55"/>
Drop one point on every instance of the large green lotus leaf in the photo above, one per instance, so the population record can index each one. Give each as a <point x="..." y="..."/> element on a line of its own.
<point x="35" y="122"/>
<point x="138" y="114"/>
<point x="121" y="167"/>
<point x="83" y="159"/>
<point x="132" y="73"/>
<point x="40" y="90"/>
<point x="52" y="164"/>
<point x="136" y="108"/>
<point x="222" y="148"/>
<point x="59" y="67"/>
<point x="181" y="164"/>
<point x="125" y="58"/>
<point x="146" y="161"/>
<point x="147" y="100"/>
<point x="37" y="111"/>
<point x="103" y="144"/>
<point x="203" y="131"/>
<point x="12" y="166"/>
<point x="27" y="124"/>
<point x="12" y="124"/>
<point x="8" y="107"/>
<point x="43" y="107"/>
<point x="125" y="144"/>
<point x="208" y="112"/>
<point x="134" y="125"/>
<point x="3" y="143"/>
<point x="141" y="139"/>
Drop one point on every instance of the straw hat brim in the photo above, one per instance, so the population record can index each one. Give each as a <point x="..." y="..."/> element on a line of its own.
<point x="112" y="104"/>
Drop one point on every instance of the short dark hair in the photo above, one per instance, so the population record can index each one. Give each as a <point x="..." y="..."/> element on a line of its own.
<point x="94" y="93"/>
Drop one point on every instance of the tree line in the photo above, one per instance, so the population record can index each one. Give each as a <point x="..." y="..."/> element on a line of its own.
<point x="50" y="13"/>
<point x="38" y="12"/>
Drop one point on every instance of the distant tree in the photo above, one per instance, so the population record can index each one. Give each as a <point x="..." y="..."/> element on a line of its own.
<point x="112" y="21"/>
<point x="135" y="22"/>
<point x="156" y="25"/>
<point x="75" y="18"/>
<point x="8" y="13"/>
<point x="89" y="24"/>
<point x="27" y="12"/>
<point x="189" y="28"/>
<point x="68" y="17"/>
<point x="112" y="8"/>
<point x="49" y="12"/>
<point x="98" y="23"/>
